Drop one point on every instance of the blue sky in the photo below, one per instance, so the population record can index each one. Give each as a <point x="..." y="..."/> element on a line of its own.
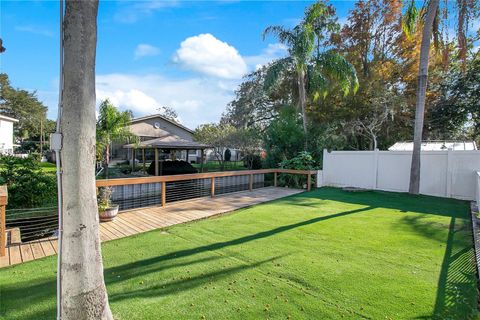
<point x="188" y="55"/>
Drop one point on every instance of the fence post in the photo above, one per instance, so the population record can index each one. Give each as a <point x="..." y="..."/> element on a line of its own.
<point x="3" y="231"/>
<point x="275" y="179"/>
<point x="250" y="182"/>
<point x="448" y="181"/>
<point x="375" y="169"/>
<point x="319" y="178"/>
<point x="212" y="191"/>
<point x="164" y="193"/>
<point x="309" y="182"/>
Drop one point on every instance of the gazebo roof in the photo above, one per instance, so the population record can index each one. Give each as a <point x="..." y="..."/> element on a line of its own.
<point x="170" y="141"/>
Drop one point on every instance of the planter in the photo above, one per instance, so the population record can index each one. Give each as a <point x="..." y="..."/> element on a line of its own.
<point x="109" y="214"/>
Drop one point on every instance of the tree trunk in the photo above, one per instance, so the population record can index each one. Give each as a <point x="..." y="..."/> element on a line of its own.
<point x="83" y="292"/>
<point x="421" y="96"/>
<point x="302" y="99"/>
<point x="106" y="161"/>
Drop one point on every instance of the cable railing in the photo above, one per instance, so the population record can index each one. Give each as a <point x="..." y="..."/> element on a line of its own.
<point x="138" y="192"/>
<point x="130" y="193"/>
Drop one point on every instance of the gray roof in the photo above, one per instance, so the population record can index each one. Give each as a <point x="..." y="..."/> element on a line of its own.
<point x="170" y="141"/>
<point x="166" y="119"/>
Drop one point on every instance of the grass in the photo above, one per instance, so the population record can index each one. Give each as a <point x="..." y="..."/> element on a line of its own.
<point x="326" y="254"/>
<point x="47" y="167"/>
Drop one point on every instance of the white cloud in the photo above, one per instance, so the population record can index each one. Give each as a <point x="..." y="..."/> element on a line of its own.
<point x="35" y="30"/>
<point x="208" y="55"/>
<point x="135" y="10"/>
<point x="145" y="50"/>
<point x="196" y="100"/>
<point x="270" y="53"/>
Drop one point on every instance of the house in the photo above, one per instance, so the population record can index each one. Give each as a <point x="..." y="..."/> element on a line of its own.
<point x="159" y="138"/>
<point x="433" y="145"/>
<point x="6" y="135"/>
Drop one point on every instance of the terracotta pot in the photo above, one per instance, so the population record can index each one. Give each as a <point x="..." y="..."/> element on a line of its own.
<point x="109" y="214"/>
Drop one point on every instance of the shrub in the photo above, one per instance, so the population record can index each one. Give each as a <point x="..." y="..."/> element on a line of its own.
<point x="28" y="186"/>
<point x="252" y="162"/>
<point x="303" y="161"/>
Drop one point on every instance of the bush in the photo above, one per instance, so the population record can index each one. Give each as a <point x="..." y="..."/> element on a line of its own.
<point x="28" y="186"/>
<point x="252" y="162"/>
<point x="303" y="161"/>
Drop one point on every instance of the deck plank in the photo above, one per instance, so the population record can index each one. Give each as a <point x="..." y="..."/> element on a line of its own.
<point x="37" y="250"/>
<point x="26" y="252"/>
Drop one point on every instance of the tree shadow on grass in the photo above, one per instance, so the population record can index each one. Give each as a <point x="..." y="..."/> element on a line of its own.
<point x="188" y="283"/>
<point x="220" y="245"/>
<point x="456" y="293"/>
<point x="382" y="199"/>
<point x="456" y="296"/>
<point x="39" y="292"/>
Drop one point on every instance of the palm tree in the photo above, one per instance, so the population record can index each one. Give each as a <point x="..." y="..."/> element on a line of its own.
<point x="83" y="292"/>
<point x="316" y="71"/>
<point x="112" y="126"/>
<point x="409" y="22"/>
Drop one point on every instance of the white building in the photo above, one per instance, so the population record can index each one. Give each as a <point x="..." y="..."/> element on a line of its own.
<point x="6" y="134"/>
<point x="435" y="146"/>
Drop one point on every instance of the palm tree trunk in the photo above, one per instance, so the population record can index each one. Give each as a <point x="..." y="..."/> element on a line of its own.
<point x="106" y="160"/>
<point x="421" y="96"/>
<point x="302" y="99"/>
<point x="83" y="292"/>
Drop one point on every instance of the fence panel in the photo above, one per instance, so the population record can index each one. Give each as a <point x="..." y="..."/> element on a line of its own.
<point x="443" y="173"/>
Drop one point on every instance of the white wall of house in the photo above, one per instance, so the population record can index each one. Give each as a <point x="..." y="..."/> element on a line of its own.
<point x="6" y="135"/>
<point x="450" y="174"/>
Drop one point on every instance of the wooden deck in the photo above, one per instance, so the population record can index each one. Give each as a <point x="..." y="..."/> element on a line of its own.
<point x="141" y="220"/>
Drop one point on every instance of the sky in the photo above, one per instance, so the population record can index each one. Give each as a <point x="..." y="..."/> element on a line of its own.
<point x="187" y="55"/>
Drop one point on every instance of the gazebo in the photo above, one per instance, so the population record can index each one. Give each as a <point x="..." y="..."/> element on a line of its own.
<point x="168" y="146"/>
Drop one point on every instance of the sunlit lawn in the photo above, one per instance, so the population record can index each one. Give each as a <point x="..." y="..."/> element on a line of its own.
<point x="325" y="254"/>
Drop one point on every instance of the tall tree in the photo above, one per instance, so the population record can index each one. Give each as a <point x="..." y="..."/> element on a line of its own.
<point x="83" y="292"/>
<point x="112" y="126"/>
<point x="217" y="135"/>
<point x="24" y="106"/>
<point x="431" y="12"/>
<point x="316" y="71"/>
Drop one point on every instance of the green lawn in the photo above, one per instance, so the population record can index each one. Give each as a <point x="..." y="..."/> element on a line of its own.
<point x="326" y="254"/>
<point x="48" y="167"/>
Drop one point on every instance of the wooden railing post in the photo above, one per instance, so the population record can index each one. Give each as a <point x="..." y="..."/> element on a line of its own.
<point x="250" y="182"/>
<point x="309" y="182"/>
<point x="212" y="190"/>
<point x="275" y="179"/>
<point x="164" y="194"/>
<point x="3" y="230"/>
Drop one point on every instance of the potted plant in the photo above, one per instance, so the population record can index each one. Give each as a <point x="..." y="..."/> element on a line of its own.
<point x="106" y="211"/>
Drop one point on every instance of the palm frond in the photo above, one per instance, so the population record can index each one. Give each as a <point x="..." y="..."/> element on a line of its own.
<point x="275" y="71"/>
<point x="283" y="34"/>
<point x="409" y="19"/>
<point x="335" y="67"/>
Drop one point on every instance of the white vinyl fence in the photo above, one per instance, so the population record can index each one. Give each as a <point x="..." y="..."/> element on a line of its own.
<point x="451" y="174"/>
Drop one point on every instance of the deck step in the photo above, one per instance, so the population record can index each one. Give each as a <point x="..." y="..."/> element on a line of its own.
<point x="13" y="236"/>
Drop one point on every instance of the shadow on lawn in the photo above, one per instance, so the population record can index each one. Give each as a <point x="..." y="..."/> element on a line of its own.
<point x="221" y="245"/>
<point x="456" y="296"/>
<point x="21" y="296"/>
<point x="456" y="293"/>
<point x="381" y="199"/>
